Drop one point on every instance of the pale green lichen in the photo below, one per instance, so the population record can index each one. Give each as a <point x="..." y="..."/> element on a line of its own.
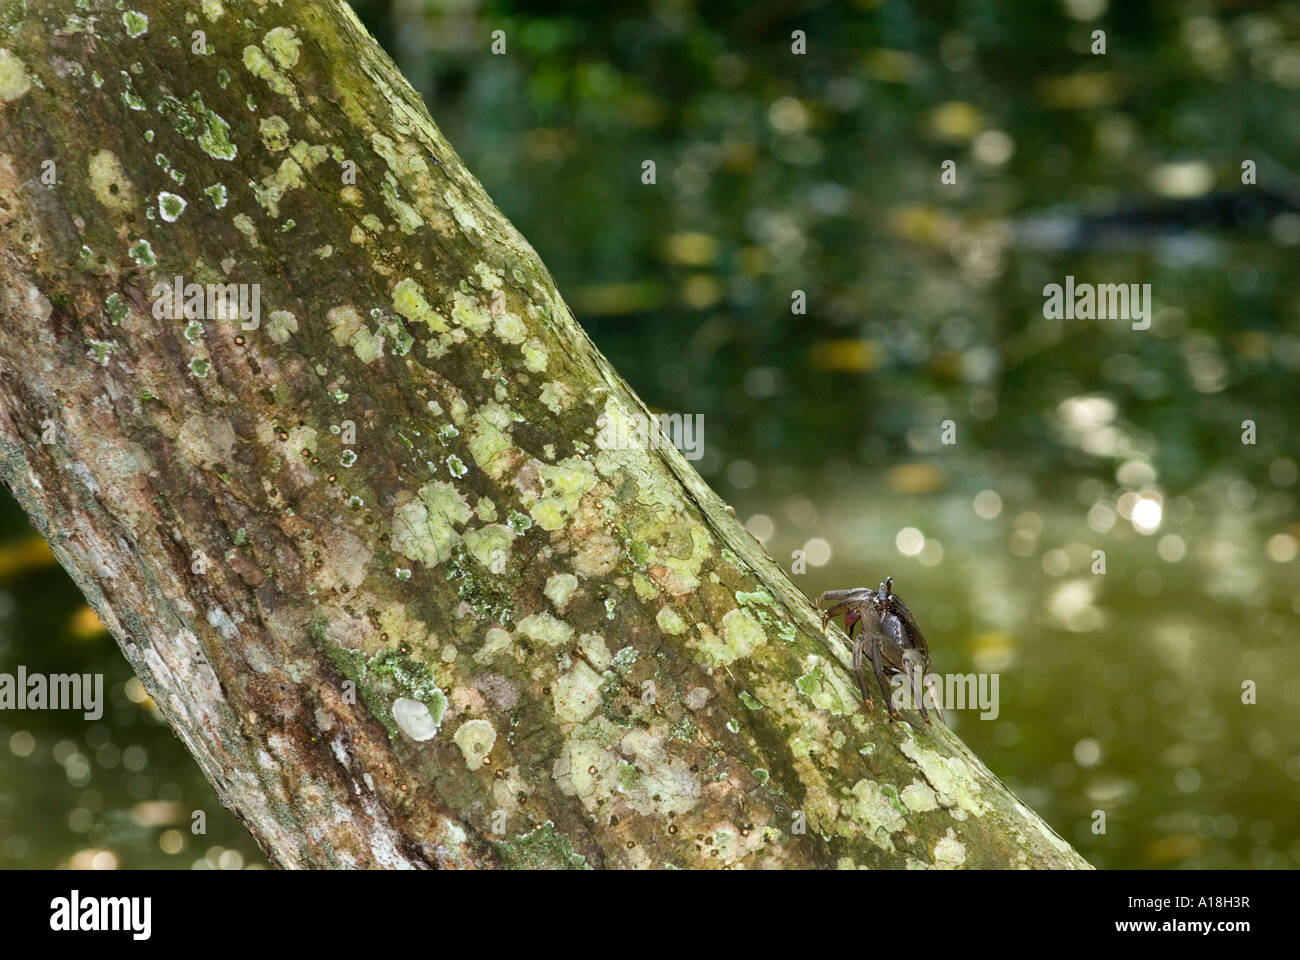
<point x="741" y="633"/>
<point x="509" y="328"/>
<point x="535" y="358"/>
<point x="496" y="641"/>
<point x="283" y="45"/>
<point x="244" y="224"/>
<point x="280" y="324"/>
<point x="670" y="621"/>
<point x="99" y="351"/>
<point x="273" y="187"/>
<point x="109" y="182"/>
<point x="469" y="313"/>
<point x="872" y="807"/>
<point x="489" y="444"/>
<point x="823" y="686"/>
<point x="950" y="777"/>
<point x="275" y="133"/>
<point x="596" y="651"/>
<point x="490" y="545"/>
<point x="424" y="527"/>
<point x="577" y="694"/>
<point x="917" y="796"/>
<point x="256" y="63"/>
<point x="409" y="301"/>
<point x="366" y="345"/>
<point x="559" y="588"/>
<point x="131" y="99"/>
<point x="563" y="485"/>
<point x="546" y="629"/>
<point x="115" y="307"/>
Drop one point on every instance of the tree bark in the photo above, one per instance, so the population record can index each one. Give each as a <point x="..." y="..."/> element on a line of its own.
<point x="373" y="557"/>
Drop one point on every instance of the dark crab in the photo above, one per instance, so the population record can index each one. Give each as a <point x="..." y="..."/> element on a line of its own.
<point x="888" y="635"/>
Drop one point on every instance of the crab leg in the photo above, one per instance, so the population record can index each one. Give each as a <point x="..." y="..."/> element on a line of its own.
<point x="859" y="670"/>
<point x="880" y="677"/>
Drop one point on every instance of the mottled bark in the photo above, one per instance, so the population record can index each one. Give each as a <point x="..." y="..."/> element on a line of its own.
<point x="561" y="654"/>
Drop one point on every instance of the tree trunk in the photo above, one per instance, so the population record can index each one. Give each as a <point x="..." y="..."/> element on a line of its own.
<point x="370" y="550"/>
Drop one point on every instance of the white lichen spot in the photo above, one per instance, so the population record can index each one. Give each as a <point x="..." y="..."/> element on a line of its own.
<point x="170" y="206"/>
<point x="142" y="253"/>
<point x="475" y="739"/>
<point x="697" y="697"/>
<point x="414" y="719"/>
<point x="949" y="853"/>
<point x="136" y="23"/>
<point x="217" y="194"/>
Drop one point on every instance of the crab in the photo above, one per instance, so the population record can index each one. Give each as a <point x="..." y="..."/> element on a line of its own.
<point x="888" y="635"/>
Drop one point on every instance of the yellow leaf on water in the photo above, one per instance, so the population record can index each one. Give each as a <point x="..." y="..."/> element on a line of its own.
<point x="86" y="624"/>
<point x="846" y="356"/>
<point x="915" y="478"/>
<point x="1181" y="846"/>
<point x="31" y="553"/>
